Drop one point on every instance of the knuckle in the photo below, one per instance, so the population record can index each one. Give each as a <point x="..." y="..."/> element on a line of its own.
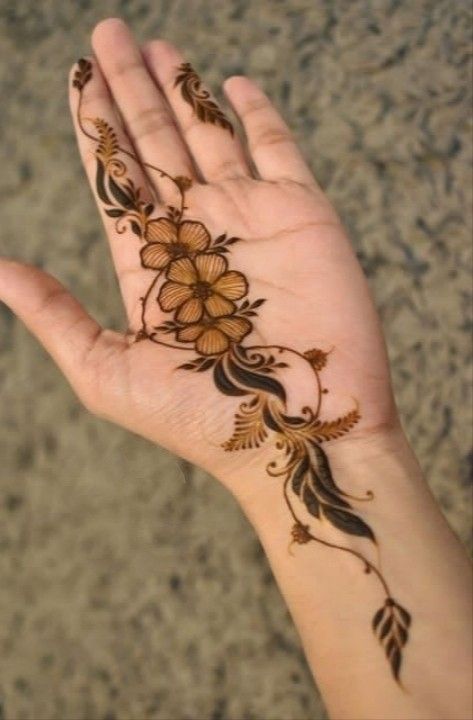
<point x="254" y="106"/>
<point x="226" y="169"/>
<point x="269" y="136"/>
<point x="150" y="122"/>
<point x="126" y="68"/>
<point x="55" y="296"/>
<point x="94" y="98"/>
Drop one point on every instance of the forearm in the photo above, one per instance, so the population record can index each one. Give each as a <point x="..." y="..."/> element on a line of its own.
<point x="333" y="601"/>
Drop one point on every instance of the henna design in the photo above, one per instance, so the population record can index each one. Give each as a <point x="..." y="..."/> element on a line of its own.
<point x="212" y="315"/>
<point x="199" y="99"/>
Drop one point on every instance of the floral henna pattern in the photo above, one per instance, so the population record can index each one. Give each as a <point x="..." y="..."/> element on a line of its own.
<point x="211" y="315"/>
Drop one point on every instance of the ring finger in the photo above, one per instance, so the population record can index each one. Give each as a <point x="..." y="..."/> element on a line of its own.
<point x="207" y="131"/>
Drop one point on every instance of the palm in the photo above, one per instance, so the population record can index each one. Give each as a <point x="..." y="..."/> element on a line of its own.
<point x="319" y="299"/>
<point x="293" y="253"/>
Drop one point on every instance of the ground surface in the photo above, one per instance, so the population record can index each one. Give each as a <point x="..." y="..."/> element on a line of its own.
<point x="132" y="587"/>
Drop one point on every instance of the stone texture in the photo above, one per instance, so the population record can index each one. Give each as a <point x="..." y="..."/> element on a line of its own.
<point x="132" y="586"/>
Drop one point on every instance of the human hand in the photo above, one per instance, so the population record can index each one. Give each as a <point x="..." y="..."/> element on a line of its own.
<point x="252" y="338"/>
<point x="293" y="253"/>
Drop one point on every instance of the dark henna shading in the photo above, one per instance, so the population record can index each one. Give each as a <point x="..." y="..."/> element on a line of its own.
<point x="211" y="316"/>
<point x="199" y="99"/>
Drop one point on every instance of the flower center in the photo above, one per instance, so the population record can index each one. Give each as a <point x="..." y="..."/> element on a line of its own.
<point x="177" y="249"/>
<point x="202" y="290"/>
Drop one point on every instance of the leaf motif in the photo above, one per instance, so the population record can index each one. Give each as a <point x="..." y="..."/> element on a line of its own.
<point x="83" y="74"/>
<point x="114" y="213"/>
<point x="193" y="93"/>
<point x="120" y="194"/>
<point x="390" y="625"/>
<point x="100" y="183"/>
<point x="257" y="303"/>
<point x="135" y="227"/>
<point x="206" y="365"/>
<point x="250" y="430"/>
<point x="108" y="143"/>
<point x="323" y="431"/>
<point x="348" y="522"/>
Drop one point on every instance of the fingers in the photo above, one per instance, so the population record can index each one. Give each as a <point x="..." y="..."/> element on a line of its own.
<point x="270" y="142"/>
<point x="216" y="149"/>
<point x="146" y="114"/>
<point x="56" y="318"/>
<point x="96" y="103"/>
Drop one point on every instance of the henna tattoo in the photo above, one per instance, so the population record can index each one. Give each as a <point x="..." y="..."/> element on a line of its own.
<point x="199" y="99"/>
<point x="211" y="316"/>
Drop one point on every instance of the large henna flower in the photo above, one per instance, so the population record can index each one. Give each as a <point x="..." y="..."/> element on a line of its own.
<point x="167" y="241"/>
<point x="213" y="336"/>
<point x="201" y="285"/>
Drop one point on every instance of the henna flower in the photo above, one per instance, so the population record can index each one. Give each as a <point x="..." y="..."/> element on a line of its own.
<point x="300" y="533"/>
<point x="212" y="336"/>
<point x="167" y="241"/>
<point x="201" y="285"/>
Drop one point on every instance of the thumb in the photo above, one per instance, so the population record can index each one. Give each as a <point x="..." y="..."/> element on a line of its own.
<point x="70" y="335"/>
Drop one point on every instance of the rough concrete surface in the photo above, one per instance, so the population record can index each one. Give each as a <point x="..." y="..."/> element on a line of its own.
<point x="131" y="586"/>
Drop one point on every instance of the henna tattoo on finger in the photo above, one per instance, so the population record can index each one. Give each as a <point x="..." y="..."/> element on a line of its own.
<point x="199" y="98"/>
<point x="211" y="314"/>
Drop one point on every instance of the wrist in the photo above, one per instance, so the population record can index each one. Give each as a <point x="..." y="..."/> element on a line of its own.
<point x="360" y="463"/>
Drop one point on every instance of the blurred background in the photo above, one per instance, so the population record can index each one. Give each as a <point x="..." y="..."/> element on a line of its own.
<point x="132" y="587"/>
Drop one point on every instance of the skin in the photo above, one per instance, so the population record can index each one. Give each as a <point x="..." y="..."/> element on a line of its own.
<point x="294" y="253"/>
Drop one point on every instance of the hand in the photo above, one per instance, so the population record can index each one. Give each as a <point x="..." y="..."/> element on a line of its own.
<point x="292" y="252"/>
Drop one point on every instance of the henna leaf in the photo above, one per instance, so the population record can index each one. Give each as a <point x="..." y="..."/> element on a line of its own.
<point x="250" y="431"/>
<point x="83" y="74"/>
<point x="135" y="227"/>
<point x="256" y="381"/>
<point x="206" y="365"/>
<point x="322" y="431"/>
<point x="391" y="626"/>
<point x="224" y="383"/>
<point x="348" y="522"/>
<point x="108" y="144"/>
<point x="100" y="183"/>
<point x="258" y="303"/>
<point x="120" y="194"/>
<point x="199" y="99"/>
<point x="115" y="212"/>
<point x="313" y="483"/>
<point x="199" y="364"/>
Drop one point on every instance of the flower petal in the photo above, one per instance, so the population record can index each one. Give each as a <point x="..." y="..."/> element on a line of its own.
<point x="232" y="285"/>
<point x="210" y="267"/>
<point x="211" y="342"/>
<point x="216" y="305"/>
<point x="172" y="295"/>
<point x="190" y="333"/>
<point x="161" y="230"/>
<point x="155" y="256"/>
<point x="191" y="311"/>
<point x="234" y="327"/>
<point x="194" y="235"/>
<point x="182" y="271"/>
